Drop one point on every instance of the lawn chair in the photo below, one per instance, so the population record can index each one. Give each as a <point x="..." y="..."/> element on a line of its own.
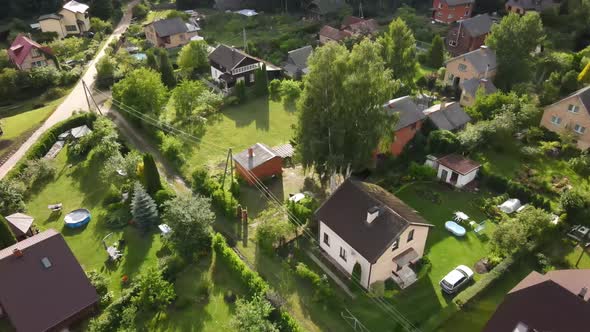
<point x="479" y="227"/>
<point x="55" y="207"/>
<point x="114" y="253"/>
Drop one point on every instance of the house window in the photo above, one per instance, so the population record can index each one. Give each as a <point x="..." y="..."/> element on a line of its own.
<point x="252" y="77"/>
<point x="579" y="129"/>
<point x="38" y="63"/>
<point x="572" y="108"/>
<point x="462" y="67"/>
<point x="71" y="28"/>
<point x="395" y="245"/>
<point x="410" y="235"/>
<point x="35" y="52"/>
<point x="343" y="254"/>
<point x="450" y="16"/>
<point x="556" y="120"/>
<point x="182" y="37"/>
<point x="326" y="239"/>
<point x="452" y="43"/>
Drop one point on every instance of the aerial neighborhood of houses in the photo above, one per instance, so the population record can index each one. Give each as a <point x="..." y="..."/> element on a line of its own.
<point x="312" y="165"/>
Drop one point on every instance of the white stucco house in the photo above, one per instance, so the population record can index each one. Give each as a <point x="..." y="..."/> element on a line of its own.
<point x="363" y="223"/>
<point x="72" y="19"/>
<point x="454" y="169"/>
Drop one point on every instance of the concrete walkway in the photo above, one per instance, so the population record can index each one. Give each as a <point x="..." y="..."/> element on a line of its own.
<point x="331" y="274"/>
<point x="74" y="101"/>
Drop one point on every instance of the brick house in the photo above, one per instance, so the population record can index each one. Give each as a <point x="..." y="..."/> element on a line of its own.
<point x="365" y="224"/>
<point x="169" y="33"/>
<point x="572" y="114"/>
<point x="468" y="71"/>
<point x="523" y="6"/>
<point x="409" y="122"/>
<point x="328" y="34"/>
<point x="449" y="11"/>
<point x="258" y="161"/>
<point x="43" y="287"/>
<point x="25" y="54"/>
<point x="468" y="35"/>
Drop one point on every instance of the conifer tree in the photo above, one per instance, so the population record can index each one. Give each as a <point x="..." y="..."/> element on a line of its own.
<point x="143" y="207"/>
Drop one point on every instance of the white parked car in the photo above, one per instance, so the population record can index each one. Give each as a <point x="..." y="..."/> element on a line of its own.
<point x="455" y="279"/>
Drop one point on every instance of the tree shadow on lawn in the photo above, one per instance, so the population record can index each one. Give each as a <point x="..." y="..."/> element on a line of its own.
<point x="137" y="244"/>
<point x="256" y="201"/>
<point x="256" y="110"/>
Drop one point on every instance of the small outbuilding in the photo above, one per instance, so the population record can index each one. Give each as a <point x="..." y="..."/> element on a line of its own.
<point x="258" y="161"/>
<point x="454" y="169"/>
<point x="20" y="225"/>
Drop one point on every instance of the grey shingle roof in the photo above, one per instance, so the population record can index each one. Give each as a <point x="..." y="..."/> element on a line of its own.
<point x="228" y="57"/>
<point x="458" y="2"/>
<point x="406" y="109"/>
<point x="262" y="153"/>
<point x="298" y="57"/>
<point x="470" y="86"/>
<point x="50" y="16"/>
<point x="169" y="27"/>
<point x="452" y="117"/>
<point x="480" y="59"/>
<point x="478" y="25"/>
<point x="345" y="212"/>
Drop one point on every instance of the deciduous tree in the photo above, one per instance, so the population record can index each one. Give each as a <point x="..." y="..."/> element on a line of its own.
<point x="102" y="9"/>
<point x="190" y="218"/>
<point x="11" y="198"/>
<point x="105" y="72"/>
<point x="399" y="51"/>
<point x="141" y="90"/>
<point x="193" y="58"/>
<point x="341" y="118"/>
<point x="153" y="291"/>
<point x="186" y="98"/>
<point x="514" y="39"/>
<point x="253" y="316"/>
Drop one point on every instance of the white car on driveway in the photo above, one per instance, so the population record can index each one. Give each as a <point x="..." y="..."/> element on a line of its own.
<point x="455" y="279"/>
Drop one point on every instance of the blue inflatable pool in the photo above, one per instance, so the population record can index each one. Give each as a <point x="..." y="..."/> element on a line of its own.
<point x="77" y="218"/>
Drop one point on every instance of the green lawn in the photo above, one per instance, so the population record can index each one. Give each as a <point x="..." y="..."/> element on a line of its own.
<point x="77" y="185"/>
<point x="238" y="127"/>
<point x="22" y="120"/>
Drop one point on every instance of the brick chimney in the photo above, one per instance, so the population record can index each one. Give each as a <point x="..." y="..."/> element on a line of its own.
<point x="583" y="291"/>
<point x="250" y="153"/>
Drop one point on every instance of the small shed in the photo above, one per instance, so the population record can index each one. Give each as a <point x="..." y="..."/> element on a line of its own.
<point x="258" y="161"/>
<point x="20" y="224"/>
<point x="454" y="169"/>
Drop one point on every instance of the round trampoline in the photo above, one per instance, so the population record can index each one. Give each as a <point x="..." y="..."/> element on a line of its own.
<point x="77" y="218"/>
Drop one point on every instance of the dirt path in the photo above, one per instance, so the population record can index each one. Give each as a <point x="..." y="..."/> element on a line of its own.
<point x="74" y="101"/>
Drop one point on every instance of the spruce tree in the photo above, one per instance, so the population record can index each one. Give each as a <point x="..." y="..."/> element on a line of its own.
<point x="436" y="56"/>
<point x="143" y="207"/>
<point x="151" y="176"/>
<point x="166" y="70"/>
<point x="261" y="83"/>
<point x="6" y="237"/>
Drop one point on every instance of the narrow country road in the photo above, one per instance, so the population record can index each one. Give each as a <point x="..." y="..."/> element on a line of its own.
<point x="74" y="101"/>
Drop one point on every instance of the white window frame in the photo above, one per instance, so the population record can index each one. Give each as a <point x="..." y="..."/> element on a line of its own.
<point x="579" y="129"/>
<point x="244" y="69"/>
<point x="556" y="120"/>
<point x="573" y="108"/>
<point x="395" y="245"/>
<point x="342" y="254"/>
<point x="326" y="239"/>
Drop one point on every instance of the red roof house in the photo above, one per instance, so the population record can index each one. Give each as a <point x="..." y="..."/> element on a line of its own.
<point x="26" y="54"/>
<point x="449" y="11"/>
<point x="258" y="162"/>
<point x="328" y="33"/>
<point x="42" y="285"/>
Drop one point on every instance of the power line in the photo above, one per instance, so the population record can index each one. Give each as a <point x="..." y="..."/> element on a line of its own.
<point x="385" y="306"/>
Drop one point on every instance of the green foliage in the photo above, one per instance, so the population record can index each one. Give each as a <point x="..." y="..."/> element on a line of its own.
<point x="141" y="90"/>
<point x="569" y="83"/>
<point x="4" y="59"/>
<point x="140" y="11"/>
<point x="11" y="197"/>
<point x="323" y="292"/>
<point x="68" y="48"/>
<point x="253" y="316"/>
<point x="168" y="77"/>
<point x="399" y="51"/>
<point x="274" y="89"/>
<point x="436" y="53"/>
<point x="421" y="172"/>
<point x="103" y="140"/>
<point x="151" y="60"/>
<point x="442" y="142"/>
<point x="37" y="171"/>
<point x="486" y="107"/>
<point x="53" y="93"/>
<point x="171" y="266"/>
<point x="190" y="219"/>
<point x="164" y="195"/>
<point x="102" y="9"/>
<point x="186" y="98"/>
<point x="105" y="72"/>
<point x="302" y="211"/>
<point x="272" y="229"/>
<point x="514" y="39"/>
<point x="260" y="82"/>
<point x="113" y="195"/>
<point x="193" y="58"/>
<point x="100" y="26"/>
<point x="501" y="184"/>
<point x="240" y="91"/>
<point x="486" y="281"/>
<point x="100" y="283"/>
<point x="222" y="198"/>
<point x="525" y="227"/>
<point x="116" y="163"/>
<point x="6" y="237"/>
<point x="151" y="176"/>
<point x="576" y="204"/>
<point x="584" y="76"/>
<point x="143" y="207"/>
<point x="154" y="292"/>
<point x="290" y="91"/>
<point x="341" y="118"/>
<point x="581" y="164"/>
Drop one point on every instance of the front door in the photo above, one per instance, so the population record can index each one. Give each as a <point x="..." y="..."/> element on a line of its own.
<point x="444" y="175"/>
<point x="454" y="177"/>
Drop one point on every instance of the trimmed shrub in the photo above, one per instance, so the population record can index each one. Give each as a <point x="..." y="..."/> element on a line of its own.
<point x="171" y="266"/>
<point x="470" y="293"/>
<point x="164" y="195"/>
<point x="501" y="184"/>
<point x="421" y="172"/>
<point x="113" y="195"/>
<point x="220" y="198"/>
<point x="274" y="89"/>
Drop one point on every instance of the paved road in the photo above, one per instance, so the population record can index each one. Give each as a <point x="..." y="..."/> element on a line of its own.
<point x="74" y="101"/>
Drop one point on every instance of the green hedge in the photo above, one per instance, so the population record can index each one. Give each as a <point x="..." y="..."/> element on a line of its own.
<point x="44" y="143"/>
<point x="223" y="199"/>
<point x="251" y="279"/>
<point x="501" y="184"/>
<point x="470" y="293"/>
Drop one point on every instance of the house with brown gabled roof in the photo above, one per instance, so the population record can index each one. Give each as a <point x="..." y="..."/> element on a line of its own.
<point x="360" y="26"/>
<point x="454" y="169"/>
<point x="365" y="224"/>
<point x="571" y="114"/>
<point x="328" y="34"/>
<point x="557" y="301"/>
<point x="26" y="54"/>
<point x="42" y="285"/>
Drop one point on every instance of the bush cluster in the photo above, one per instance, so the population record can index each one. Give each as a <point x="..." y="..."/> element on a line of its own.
<point x="221" y="198"/>
<point x="253" y="282"/>
<point x="323" y="291"/>
<point x="501" y="184"/>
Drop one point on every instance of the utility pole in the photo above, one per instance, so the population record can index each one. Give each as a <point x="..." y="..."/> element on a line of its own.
<point x="86" y="95"/>
<point x="228" y="164"/>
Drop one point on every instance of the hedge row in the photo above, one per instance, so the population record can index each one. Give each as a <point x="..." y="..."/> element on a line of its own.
<point x="46" y="141"/>
<point x="222" y="199"/>
<point x="514" y="189"/>
<point x="470" y="293"/>
<point x="254" y="283"/>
